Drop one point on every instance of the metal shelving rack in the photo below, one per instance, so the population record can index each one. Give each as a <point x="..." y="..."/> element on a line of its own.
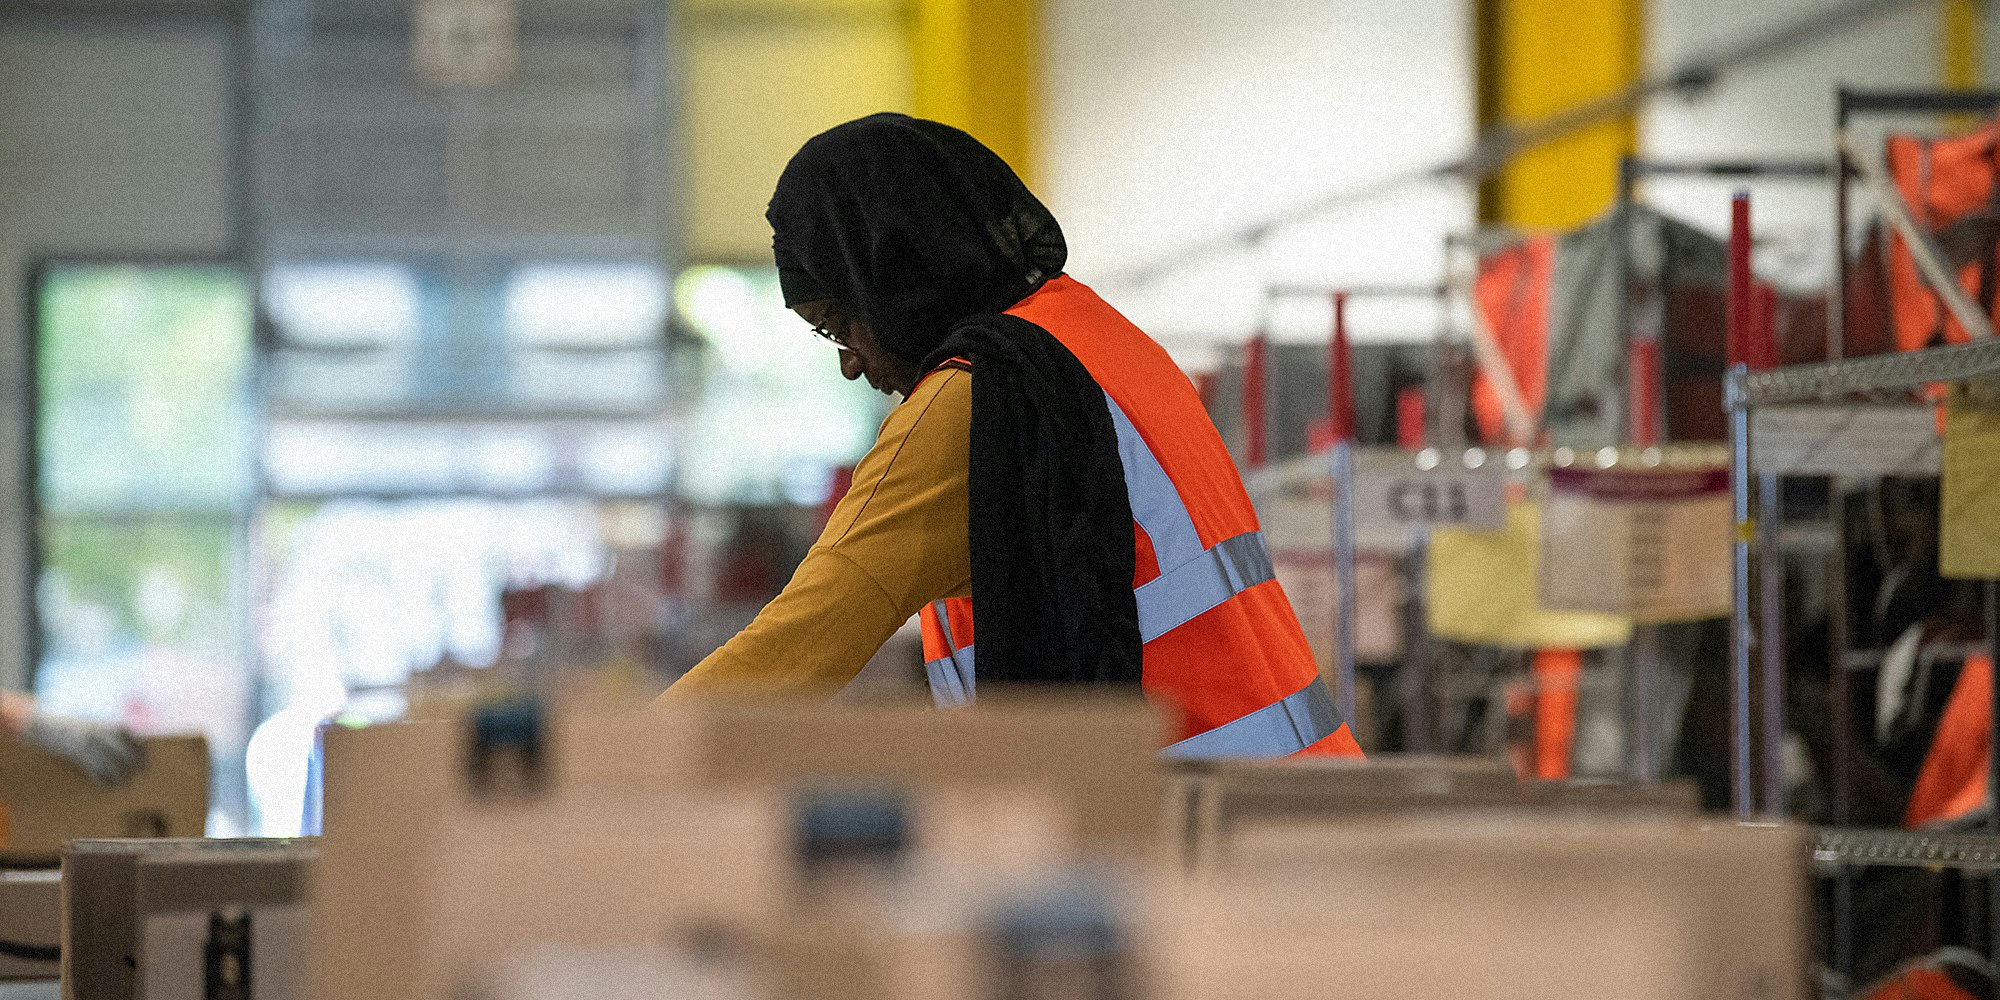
<point x="1645" y="423"/>
<point x="1415" y="678"/>
<point x="1964" y="851"/>
<point x="1840" y="379"/>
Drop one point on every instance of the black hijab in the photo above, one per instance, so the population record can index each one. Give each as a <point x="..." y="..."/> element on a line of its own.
<point x="914" y="224"/>
<point x="929" y="236"/>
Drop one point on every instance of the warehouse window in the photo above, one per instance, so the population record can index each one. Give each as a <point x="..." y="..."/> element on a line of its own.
<point x="774" y="416"/>
<point x="143" y="463"/>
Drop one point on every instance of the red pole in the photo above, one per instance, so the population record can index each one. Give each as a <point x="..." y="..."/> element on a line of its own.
<point x="1204" y="387"/>
<point x="1764" y="346"/>
<point x="1253" y="400"/>
<point x="1340" y="376"/>
<point x="1410" y="418"/>
<point x="1645" y="391"/>
<point x="1739" y="315"/>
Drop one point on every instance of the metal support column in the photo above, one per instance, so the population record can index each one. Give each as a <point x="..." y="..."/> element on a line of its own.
<point x="1763" y="353"/>
<point x="1340" y="401"/>
<point x="1839" y="639"/>
<point x="1993" y="766"/>
<point x="1739" y="622"/>
<point x="1742" y="793"/>
<point x="1642" y="655"/>
<point x="1770" y="641"/>
<point x="1419" y="726"/>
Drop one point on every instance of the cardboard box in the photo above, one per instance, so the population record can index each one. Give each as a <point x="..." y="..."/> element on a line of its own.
<point x="622" y="829"/>
<point x="185" y="919"/>
<point x="589" y="869"/>
<point x="30" y="922"/>
<point x="1097" y="754"/>
<point x="1220" y="798"/>
<point x="1061" y="934"/>
<point x="609" y="973"/>
<point x="1217" y="796"/>
<point x="1500" y="906"/>
<point x="49" y="800"/>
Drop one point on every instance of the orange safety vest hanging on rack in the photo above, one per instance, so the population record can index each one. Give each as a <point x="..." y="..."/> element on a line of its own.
<point x="1921" y="984"/>
<point x="1221" y="643"/>
<point x="1512" y="294"/>
<point x="1952" y="189"/>
<point x="1952" y="782"/>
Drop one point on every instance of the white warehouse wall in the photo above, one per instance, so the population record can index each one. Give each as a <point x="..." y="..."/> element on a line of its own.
<point x="112" y="143"/>
<point x="1166" y="124"/>
<point x="1165" y="129"/>
<point x="1781" y="109"/>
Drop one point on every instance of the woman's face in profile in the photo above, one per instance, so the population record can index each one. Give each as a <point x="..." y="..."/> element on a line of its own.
<point x="861" y="355"/>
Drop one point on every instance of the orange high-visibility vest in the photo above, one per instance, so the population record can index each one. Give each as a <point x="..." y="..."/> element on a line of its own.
<point x="1221" y="643"/>
<point x="1952" y="782"/>
<point x="1952" y="187"/>
<point x="1512" y="293"/>
<point x="1921" y="983"/>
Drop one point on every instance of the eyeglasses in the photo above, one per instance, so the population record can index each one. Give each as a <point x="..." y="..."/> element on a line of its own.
<point x="836" y="339"/>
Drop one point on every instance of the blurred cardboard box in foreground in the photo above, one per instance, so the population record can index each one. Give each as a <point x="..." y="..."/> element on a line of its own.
<point x="1209" y="802"/>
<point x="1095" y="753"/>
<point x="1498" y="906"/>
<point x="30" y="923"/>
<point x="1502" y="907"/>
<point x="48" y="800"/>
<point x="448" y="843"/>
<point x="185" y="919"/>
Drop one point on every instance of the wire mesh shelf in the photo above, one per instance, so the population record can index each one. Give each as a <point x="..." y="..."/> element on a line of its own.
<point x="1839" y="847"/>
<point x="1903" y="370"/>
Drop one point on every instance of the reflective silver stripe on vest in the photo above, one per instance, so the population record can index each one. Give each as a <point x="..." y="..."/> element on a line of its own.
<point x="953" y="681"/>
<point x="1156" y="505"/>
<point x="1179" y="595"/>
<point x="1283" y="727"/>
<point x="1192" y="579"/>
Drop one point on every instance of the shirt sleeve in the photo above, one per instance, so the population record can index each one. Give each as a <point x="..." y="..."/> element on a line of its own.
<point x="895" y="542"/>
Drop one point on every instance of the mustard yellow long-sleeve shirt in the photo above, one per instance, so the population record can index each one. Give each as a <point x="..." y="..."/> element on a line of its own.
<point x="896" y="542"/>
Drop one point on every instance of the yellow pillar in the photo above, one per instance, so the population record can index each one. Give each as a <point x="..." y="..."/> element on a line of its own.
<point x="759" y="78"/>
<point x="972" y="65"/>
<point x="1958" y="43"/>
<point x="1541" y="57"/>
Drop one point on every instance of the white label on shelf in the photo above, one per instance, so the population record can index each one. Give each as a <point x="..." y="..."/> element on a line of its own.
<point x="1392" y="492"/>
<point x="1867" y="440"/>
<point x="1651" y="544"/>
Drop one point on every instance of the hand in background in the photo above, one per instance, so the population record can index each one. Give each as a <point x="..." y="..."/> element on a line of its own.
<point x="108" y="753"/>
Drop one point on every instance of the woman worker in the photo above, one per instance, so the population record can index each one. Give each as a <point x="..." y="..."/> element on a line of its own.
<point x="1049" y="472"/>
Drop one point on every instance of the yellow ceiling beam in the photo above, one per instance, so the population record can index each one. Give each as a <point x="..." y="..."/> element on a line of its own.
<point x="1540" y="57"/>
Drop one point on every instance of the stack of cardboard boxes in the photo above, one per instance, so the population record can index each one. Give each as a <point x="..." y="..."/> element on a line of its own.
<point x="47" y="801"/>
<point x="731" y="827"/>
<point x="1019" y="849"/>
<point x="178" y="919"/>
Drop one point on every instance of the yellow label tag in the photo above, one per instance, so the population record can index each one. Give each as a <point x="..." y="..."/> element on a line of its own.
<point x="1969" y="522"/>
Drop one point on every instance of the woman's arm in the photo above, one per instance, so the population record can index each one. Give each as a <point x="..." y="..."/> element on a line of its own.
<point x="895" y="542"/>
